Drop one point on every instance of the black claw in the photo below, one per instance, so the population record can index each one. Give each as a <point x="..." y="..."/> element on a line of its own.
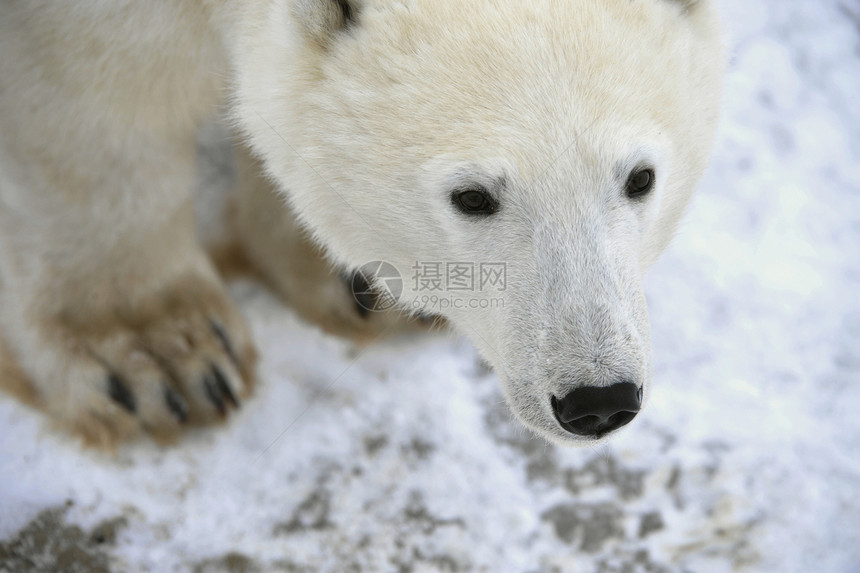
<point x="177" y="404"/>
<point x="365" y="298"/>
<point x="226" y="343"/>
<point x="210" y="386"/>
<point x="221" y="381"/>
<point x="120" y="393"/>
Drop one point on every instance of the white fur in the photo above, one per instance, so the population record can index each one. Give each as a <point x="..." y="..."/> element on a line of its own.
<point x="559" y="98"/>
<point x="367" y="126"/>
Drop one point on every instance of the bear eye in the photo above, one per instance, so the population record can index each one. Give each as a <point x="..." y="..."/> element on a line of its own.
<point x="474" y="201"/>
<point x="640" y="182"/>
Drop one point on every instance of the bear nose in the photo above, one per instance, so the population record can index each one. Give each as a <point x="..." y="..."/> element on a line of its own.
<point x="595" y="411"/>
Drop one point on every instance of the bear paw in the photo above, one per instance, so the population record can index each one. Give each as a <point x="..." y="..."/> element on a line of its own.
<point x="185" y="358"/>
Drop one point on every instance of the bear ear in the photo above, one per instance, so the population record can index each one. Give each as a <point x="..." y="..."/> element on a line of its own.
<point x="686" y="5"/>
<point x="322" y="19"/>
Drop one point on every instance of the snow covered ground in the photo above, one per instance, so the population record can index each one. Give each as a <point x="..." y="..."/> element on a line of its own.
<point x="402" y="456"/>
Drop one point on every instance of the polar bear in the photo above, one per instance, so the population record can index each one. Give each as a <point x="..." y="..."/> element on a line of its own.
<point x="558" y="140"/>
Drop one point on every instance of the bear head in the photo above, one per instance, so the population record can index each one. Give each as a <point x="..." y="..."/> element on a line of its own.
<point x="542" y="152"/>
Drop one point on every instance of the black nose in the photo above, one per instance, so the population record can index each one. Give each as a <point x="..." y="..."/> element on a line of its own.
<point x="595" y="411"/>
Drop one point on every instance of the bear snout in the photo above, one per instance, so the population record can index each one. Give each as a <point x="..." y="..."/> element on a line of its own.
<point x="595" y="411"/>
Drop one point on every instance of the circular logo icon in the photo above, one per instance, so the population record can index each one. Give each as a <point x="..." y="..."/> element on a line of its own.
<point x="386" y="290"/>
